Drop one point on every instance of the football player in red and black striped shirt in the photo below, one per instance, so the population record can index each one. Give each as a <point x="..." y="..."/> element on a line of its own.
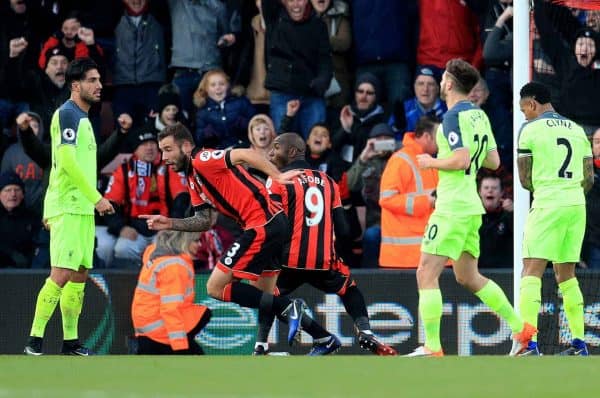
<point x="314" y="209"/>
<point x="216" y="181"/>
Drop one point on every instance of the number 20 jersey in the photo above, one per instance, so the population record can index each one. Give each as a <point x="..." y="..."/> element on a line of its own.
<point x="558" y="147"/>
<point x="464" y="126"/>
<point x="309" y="203"/>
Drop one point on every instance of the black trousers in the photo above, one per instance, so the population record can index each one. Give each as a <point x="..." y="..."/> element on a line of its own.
<point x="147" y="346"/>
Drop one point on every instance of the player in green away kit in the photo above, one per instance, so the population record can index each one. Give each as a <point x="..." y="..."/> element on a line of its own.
<point x="555" y="163"/>
<point x="465" y="143"/>
<point x="69" y="209"/>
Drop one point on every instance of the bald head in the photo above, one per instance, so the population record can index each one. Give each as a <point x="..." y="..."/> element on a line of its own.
<point x="293" y="140"/>
<point x="286" y="148"/>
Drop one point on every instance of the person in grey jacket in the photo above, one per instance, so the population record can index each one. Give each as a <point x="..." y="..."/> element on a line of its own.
<point x="16" y="160"/>
<point x="139" y="67"/>
<point x="199" y="30"/>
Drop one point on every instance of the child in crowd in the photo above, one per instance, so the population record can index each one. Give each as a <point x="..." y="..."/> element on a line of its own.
<point x="222" y="118"/>
<point x="261" y="134"/>
<point x="321" y="157"/>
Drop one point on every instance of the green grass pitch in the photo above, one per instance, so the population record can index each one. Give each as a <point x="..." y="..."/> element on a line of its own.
<point x="265" y="377"/>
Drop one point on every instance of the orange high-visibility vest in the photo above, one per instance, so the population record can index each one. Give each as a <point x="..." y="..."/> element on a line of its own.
<point x="405" y="209"/>
<point x="163" y="306"/>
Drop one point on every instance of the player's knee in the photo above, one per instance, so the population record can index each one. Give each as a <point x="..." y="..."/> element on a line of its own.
<point x="461" y="280"/>
<point x="423" y="275"/>
<point x="467" y="281"/>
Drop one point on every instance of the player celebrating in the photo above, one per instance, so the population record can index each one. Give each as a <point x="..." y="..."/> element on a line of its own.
<point x="465" y="143"/>
<point x="69" y="208"/>
<point x="555" y="164"/>
<point x="314" y="208"/>
<point x="216" y="180"/>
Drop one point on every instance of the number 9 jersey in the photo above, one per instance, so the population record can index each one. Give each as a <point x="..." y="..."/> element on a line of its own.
<point x="463" y="126"/>
<point x="309" y="204"/>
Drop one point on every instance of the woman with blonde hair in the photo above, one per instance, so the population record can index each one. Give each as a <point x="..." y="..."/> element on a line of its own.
<point x="164" y="315"/>
<point x="222" y="117"/>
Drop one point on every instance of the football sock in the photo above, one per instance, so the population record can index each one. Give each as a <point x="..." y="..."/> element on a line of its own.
<point x="530" y="300"/>
<point x="430" y="311"/>
<point x="71" y="302"/>
<point x="243" y="294"/>
<point x="47" y="300"/>
<point x="493" y="296"/>
<point x="573" y="303"/>
<point x="265" y="318"/>
<point x="355" y="306"/>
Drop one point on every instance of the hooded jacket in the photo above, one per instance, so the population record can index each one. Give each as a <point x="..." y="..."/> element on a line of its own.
<point x="16" y="159"/>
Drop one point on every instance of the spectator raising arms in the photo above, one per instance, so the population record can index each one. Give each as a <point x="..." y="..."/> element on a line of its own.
<point x="299" y="62"/>
<point x="358" y="118"/>
<point x="16" y="159"/>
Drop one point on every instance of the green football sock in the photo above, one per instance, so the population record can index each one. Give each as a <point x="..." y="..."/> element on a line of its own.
<point x="430" y="310"/>
<point x="493" y="296"/>
<point x="71" y="302"/>
<point x="530" y="300"/>
<point x="573" y="303"/>
<point x="44" y="308"/>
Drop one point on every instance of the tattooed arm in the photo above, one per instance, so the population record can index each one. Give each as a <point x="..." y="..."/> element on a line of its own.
<point x="199" y="222"/>
<point x="525" y="165"/>
<point x="588" y="174"/>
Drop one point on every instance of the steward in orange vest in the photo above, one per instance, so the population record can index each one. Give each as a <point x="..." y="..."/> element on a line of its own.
<point x="164" y="315"/>
<point x="406" y="198"/>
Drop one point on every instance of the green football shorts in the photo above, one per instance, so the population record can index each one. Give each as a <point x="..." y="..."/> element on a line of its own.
<point x="450" y="236"/>
<point x="554" y="234"/>
<point x="72" y="241"/>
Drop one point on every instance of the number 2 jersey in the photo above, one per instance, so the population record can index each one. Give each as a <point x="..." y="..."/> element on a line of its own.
<point x="214" y="181"/>
<point x="309" y="204"/>
<point x="558" y="147"/>
<point x="464" y="126"/>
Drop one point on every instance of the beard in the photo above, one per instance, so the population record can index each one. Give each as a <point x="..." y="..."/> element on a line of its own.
<point x="90" y="99"/>
<point x="181" y="163"/>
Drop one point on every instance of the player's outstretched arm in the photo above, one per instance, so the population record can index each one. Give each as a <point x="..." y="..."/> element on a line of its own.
<point x="588" y="174"/>
<point x="259" y="162"/>
<point x="525" y="165"/>
<point x="199" y="222"/>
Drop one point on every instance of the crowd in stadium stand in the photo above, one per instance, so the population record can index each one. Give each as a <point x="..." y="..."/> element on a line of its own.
<point x="343" y="74"/>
